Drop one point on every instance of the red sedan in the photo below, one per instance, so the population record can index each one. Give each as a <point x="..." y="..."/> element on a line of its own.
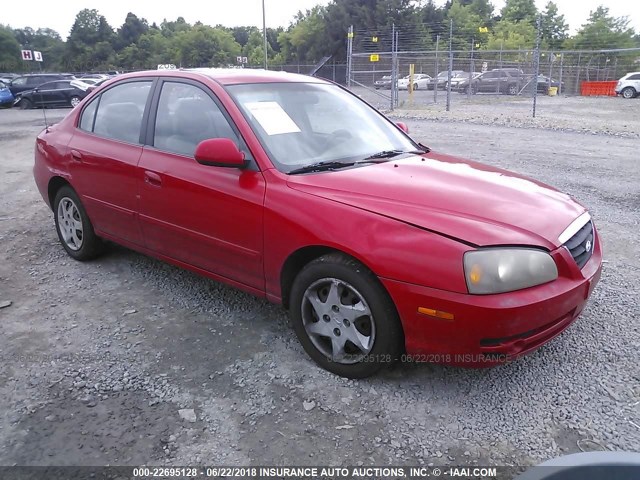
<point x="294" y="189"/>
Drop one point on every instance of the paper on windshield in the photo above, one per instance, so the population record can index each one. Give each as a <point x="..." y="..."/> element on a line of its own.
<point x="272" y="118"/>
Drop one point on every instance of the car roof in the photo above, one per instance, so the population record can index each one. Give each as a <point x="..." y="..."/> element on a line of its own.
<point x="230" y="76"/>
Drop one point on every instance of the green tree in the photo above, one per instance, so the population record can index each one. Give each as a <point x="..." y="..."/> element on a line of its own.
<point x="466" y="25"/>
<point x="130" y="31"/>
<point x="554" y="28"/>
<point x="204" y="46"/>
<point x="509" y="35"/>
<point x="10" y="58"/>
<point x="520" y="11"/>
<point x="602" y="31"/>
<point x="89" y="45"/>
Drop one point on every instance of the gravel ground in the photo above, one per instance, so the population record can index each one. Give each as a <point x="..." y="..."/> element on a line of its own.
<point x="591" y="115"/>
<point x="126" y="360"/>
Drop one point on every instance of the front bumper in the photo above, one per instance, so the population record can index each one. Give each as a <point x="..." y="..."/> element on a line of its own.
<point x="488" y="330"/>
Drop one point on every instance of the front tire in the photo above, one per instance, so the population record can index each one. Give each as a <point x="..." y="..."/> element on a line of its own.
<point x="25" y="104"/>
<point x="74" y="227"/>
<point x="629" y="92"/>
<point x="344" y="318"/>
<point x="512" y="89"/>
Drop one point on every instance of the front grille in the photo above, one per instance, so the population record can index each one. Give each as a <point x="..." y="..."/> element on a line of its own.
<point x="581" y="244"/>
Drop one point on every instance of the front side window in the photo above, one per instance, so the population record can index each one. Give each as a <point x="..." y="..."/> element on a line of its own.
<point x="306" y="123"/>
<point x="186" y="116"/>
<point x="120" y="111"/>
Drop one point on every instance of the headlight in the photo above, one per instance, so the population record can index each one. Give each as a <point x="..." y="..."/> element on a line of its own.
<point x="498" y="270"/>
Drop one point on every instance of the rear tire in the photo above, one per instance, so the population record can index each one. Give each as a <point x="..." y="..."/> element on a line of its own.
<point x="629" y="92"/>
<point x="74" y="101"/>
<point x="344" y="318"/>
<point x="74" y="228"/>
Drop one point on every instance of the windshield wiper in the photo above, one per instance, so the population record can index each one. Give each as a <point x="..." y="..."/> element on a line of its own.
<point x="321" y="166"/>
<point x="386" y="154"/>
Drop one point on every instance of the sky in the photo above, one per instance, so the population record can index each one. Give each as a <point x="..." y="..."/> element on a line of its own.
<point x="61" y="15"/>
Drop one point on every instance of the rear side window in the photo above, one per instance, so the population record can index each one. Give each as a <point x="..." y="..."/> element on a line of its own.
<point x="634" y="77"/>
<point x="119" y="113"/>
<point x="19" y="81"/>
<point x="88" y="114"/>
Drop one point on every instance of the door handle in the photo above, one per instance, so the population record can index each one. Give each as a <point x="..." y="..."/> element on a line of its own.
<point x="76" y="155"/>
<point x="152" y="178"/>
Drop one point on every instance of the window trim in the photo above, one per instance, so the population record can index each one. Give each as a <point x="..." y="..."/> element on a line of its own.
<point x="153" y="115"/>
<point x="145" y="114"/>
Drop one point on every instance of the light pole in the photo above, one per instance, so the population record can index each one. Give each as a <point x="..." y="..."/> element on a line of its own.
<point x="264" y="34"/>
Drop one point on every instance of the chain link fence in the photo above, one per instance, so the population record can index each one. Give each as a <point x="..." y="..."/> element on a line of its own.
<point x="377" y="59"/>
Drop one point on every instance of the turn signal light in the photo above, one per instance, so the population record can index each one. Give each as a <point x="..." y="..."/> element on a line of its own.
<point x="435" y="313"/>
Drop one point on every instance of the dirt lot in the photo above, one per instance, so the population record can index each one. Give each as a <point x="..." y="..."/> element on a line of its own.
<point x="98" y="359"/>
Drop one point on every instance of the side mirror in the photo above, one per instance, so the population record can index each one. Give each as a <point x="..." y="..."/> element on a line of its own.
<point x="219" y="152"/>
<point x="403" y="126"/>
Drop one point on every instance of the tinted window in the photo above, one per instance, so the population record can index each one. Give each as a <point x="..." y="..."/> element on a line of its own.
<point x="490" y="75"/>
<point x="37" y="80"/>
<point x="88" y="114"/>
<point x="634" y="77"/>
<point x="119" y="114"/>
<point x="186" y="116"/>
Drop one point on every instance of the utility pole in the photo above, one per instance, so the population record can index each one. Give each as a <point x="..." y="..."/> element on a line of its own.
<point x="264" y="33"/>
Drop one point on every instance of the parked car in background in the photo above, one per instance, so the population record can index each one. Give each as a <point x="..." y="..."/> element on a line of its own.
<point x="460" y="77"/>
<point x="544" y="83"/>
<point x="29" y="82"/>
<point x="629" y="85"/>
<point x="98" y="83"/>
<point x="59" y="93"/>
<point x="506" y="81"/>
<point x="443" y="77"/>
<point x="379" y="248"/>
<point x="384" y="82"/>
<point x="7" y="77"/>
<point x="420" y="81"/>
<point x="92" y="78"/>
<point x="6" y="97"/>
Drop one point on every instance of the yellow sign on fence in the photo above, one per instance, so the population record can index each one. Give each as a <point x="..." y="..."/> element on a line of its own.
<point x="374" y="57"/>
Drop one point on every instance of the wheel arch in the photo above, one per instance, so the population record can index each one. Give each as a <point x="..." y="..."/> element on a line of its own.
<point x="55" y="184"/>
<point x="298" y="259"/>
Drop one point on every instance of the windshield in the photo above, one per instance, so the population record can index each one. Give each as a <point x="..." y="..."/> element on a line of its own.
<point x="2" y="86"/>
<point x="300" y="124"/>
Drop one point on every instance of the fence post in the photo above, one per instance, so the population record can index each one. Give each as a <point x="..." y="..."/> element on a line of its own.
<point x="450" y="65"/>
<point x="578" y="74"/>
<point x="561" y="67"/>
<point x="435" y="85"/>
<point x="471" y="67"/>
<point x="537" y="67"/>
<point x="349" y="54"/>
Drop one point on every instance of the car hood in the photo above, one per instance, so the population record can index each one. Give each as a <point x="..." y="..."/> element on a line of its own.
<point x="465" y="200"/>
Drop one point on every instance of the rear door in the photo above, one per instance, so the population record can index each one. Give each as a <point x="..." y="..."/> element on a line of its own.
<point x="104" y="160"/>
<point x="208" y="217"/>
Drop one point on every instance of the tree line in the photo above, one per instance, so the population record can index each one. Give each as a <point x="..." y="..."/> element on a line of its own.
<point x="95" y="45"/>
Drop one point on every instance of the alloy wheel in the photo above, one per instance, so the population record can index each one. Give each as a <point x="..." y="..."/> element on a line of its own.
<point x="70" y="224"/>
<point x="338" y="320"/>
